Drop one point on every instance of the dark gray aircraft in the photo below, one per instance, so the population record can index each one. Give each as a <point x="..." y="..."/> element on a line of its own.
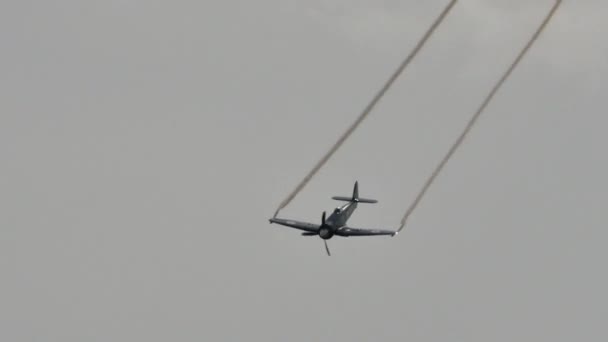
<point x="336" y="222"/>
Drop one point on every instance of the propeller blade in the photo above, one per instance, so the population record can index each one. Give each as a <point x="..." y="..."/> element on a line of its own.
<point x="327" y="248"/>
<point x="323" y="219"/>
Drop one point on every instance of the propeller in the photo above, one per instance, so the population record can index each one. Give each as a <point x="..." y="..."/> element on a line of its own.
<point x="323" y="225"/>
<point x="324" y="241"/>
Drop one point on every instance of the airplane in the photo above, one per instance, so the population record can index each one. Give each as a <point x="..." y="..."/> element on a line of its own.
<point x="336" y="222"/>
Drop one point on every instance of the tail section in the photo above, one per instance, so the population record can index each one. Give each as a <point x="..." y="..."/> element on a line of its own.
<point x="355" y="197"/>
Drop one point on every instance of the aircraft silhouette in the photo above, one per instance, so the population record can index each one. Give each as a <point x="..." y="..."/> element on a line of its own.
<point x="335" y="224"/>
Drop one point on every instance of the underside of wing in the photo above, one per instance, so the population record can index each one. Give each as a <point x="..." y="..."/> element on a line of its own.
<point x="309" y="227"/>
<point x="348" y="231"/>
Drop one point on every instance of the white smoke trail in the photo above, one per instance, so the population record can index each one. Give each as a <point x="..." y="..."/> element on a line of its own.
<point x="477" y="114"/>
<point x="368" y="109"/>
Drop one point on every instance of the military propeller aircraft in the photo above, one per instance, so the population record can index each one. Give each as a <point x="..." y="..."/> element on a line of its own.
<point x="336" y="222"/>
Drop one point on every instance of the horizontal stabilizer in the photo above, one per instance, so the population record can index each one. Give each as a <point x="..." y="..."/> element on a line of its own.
<point x="342" y="198"/>
<point x="366" y="200"/>
<point x="355" y="197"/>
<point x="349" y="199"/>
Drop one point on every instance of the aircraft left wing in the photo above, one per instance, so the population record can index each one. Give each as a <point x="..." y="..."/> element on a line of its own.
<point x="309" y="227"/>
<point x="348" y="231"/>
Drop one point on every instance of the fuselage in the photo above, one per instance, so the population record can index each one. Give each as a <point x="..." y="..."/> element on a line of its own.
<point x="340" y="215"/>
<point x="337" y="220"/>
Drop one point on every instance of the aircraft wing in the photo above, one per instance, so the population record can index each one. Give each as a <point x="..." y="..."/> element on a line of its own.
<point x="348" y="231"/>
<point x="309" y="227"/>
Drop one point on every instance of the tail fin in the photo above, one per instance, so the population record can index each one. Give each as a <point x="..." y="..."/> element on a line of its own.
<point x="355" y="197"/>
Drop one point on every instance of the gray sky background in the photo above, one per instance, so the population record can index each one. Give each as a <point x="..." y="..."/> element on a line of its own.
<point x="144" y="144"/>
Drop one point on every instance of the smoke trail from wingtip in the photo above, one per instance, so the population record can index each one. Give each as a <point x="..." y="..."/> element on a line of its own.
<point x="477" y="114"/>
<point x="368" y="109"/>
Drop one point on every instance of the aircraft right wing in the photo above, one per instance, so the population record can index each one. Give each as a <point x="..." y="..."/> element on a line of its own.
<point x="347" y="231"/>
<point x="309" y="227"/>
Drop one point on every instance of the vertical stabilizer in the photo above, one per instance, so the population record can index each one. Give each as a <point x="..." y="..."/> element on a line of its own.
<point x="356" y="192"/>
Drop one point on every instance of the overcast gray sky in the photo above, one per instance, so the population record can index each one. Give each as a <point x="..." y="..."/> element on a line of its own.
<point x="144" y="144"/>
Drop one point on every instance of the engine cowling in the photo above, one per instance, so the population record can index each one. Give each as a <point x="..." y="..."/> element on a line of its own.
<point x="326" y="233"/>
